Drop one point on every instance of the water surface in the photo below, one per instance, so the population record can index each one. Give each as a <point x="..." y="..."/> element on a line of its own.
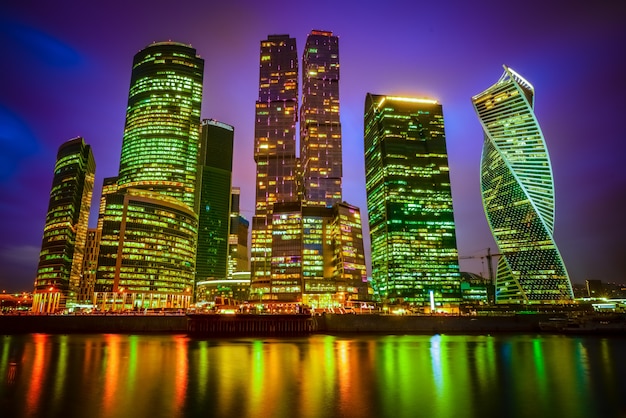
<point x="110" y="375"/>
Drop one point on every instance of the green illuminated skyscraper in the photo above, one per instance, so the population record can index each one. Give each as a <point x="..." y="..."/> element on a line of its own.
<point x="518" y="195"/>
<point x="409" y="202"/>
<point x="65" y="233"/>
<point x="161" y="135"/>
<point x="148" y="214"/>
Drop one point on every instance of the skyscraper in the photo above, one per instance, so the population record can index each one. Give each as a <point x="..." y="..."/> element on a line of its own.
<point x="90" y="266"/>
<point x="148" y="213"/>
<point x="275" y="145"/>
<point x="349" y="270"/>
<point x="317" y="255"/>
<point x="518" y="194"/>
<point x="147" y="251"/>
<point x="65" y="233"/>
<point x="238" y="237"/>
<point x="161" y="135"/>
<point x="320" y="127"/>
<point x="214" y="194"/>
<point x="409" y="202"/>
<point x="306" y="247"/>
<point x="236" y="286"/>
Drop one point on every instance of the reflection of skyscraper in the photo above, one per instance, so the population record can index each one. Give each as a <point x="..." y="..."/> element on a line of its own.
<point x="275" y="144"/>
<point x="409" y="201"/>
<point x="214" y="194"/>
<point x="65" y="234"/>
<point x="518" y="194"/>
<point x="320" y="128"/>
<point x="147" y="215"/>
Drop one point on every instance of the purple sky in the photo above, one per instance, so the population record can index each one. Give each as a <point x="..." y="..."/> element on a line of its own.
<point x="66" y="67"/>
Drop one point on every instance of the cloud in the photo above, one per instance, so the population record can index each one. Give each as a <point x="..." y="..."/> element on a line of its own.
<point x="23" y="254"/>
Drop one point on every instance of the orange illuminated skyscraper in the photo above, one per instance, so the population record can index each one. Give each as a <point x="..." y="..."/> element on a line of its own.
<point x="307" y="245"/>
<point x="274" y="146"/>
<point x="320" y="128"/>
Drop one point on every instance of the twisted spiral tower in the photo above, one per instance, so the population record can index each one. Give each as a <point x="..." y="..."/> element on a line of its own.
<point x="518" y="195"/>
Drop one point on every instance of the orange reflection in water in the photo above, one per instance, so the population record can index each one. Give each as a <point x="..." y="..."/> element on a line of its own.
<point x="111" y="366"/>
<point x="181" y="372"/>
<point x="38" y="373"/>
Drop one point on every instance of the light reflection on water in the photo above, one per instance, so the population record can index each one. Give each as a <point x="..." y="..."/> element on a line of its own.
<point x="108" y="375"/>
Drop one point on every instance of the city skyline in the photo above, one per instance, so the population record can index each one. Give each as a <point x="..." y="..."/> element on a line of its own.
<point x="64" y="85"/>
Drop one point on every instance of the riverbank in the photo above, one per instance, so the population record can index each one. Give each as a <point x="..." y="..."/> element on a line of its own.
<point x="241" y="324"/>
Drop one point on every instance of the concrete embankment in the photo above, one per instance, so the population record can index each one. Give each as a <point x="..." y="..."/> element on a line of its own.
<point x="208" y="325"/>
<point x="68" y="324"/>
<point x="427" y="324"/>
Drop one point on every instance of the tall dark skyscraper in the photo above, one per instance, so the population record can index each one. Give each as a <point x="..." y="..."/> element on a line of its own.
<point x="409" y="202"/>
<point x="238" y="260"/>
<point x="148" y="214"/>
<point x="65" y="233"/>
<point x="214" y="194"/>
<point x="320" y="127"/>
<point x="518" y="195"/>
<point x="274" y="145"/>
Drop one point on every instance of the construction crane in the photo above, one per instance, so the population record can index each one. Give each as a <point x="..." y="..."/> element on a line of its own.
<point x="489" y="258"/>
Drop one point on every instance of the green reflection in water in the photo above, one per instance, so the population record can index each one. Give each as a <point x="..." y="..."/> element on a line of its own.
<point x="258" y="375"/>
<point x="4" y="356"/>
<point x="607" y="362"/>
<point x="202" y="366"/>
<point x="60" y="372"/>
<point x="328" y="378"/>
<point x="540" y="368"/>
<point x="133" y="359"/>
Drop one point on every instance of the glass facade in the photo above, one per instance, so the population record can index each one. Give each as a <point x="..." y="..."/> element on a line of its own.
<point x="319" y="285"/>
<point x="238" y="237"/>
<point x="518" y="195"/>
<point x="214" y="197"/>
<point x="317" y="256"/>
<point x="409" y="202"/>
<point x="286" y="267"/>
<point x="161" y="136"/>
<point x="320" y="128"/>
<point x="90" y="266"/>
<point x="65" y="233"/>
<point x="147" y="251"/>
<point x="274" y="145"/>
<point x="349" y="269"/>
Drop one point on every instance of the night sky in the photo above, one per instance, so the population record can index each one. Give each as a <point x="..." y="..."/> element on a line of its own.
<point x="65" y="72"/>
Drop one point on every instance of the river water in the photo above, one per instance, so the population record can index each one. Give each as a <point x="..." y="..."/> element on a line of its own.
<point x="109" y="375"/>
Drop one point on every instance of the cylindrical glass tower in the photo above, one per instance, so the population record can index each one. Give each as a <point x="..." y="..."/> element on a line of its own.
<point x="161" y="135"/>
